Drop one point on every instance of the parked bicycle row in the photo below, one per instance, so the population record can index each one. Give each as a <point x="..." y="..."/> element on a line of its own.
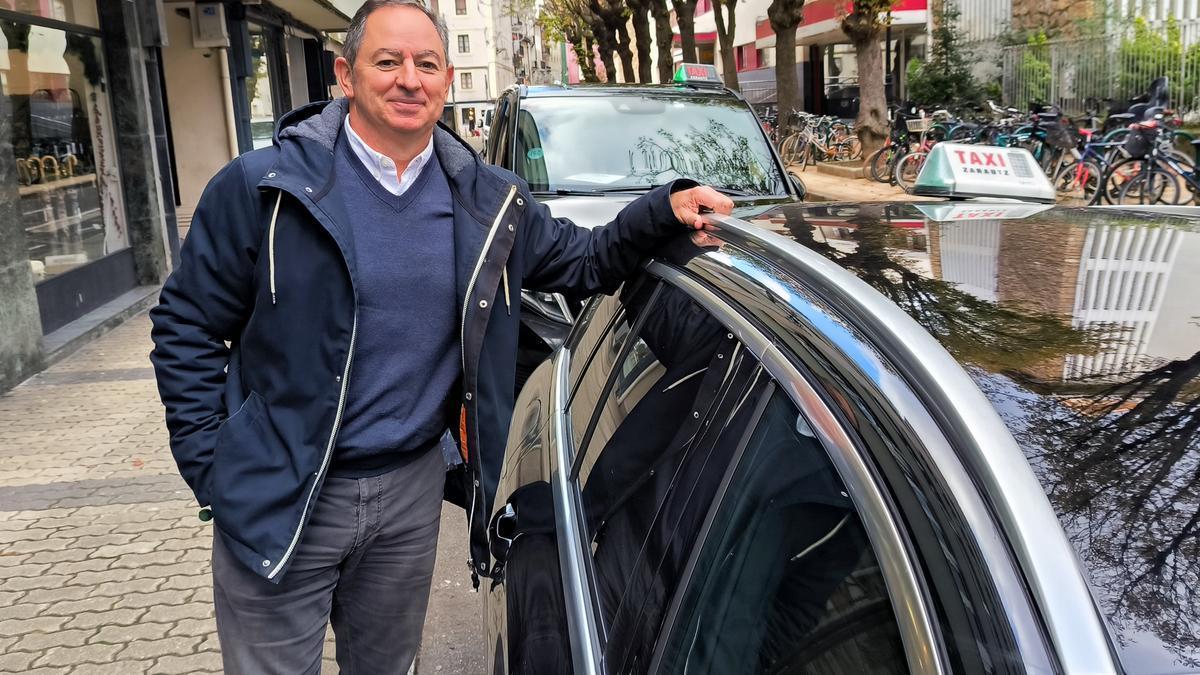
<point x="1136" y="155"/>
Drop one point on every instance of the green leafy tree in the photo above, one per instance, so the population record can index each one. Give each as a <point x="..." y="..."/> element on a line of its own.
<point x="1034" y="67"/>
<point x="1145" y="54"/>
<point x="947" y="78"/>
<point x="570" y="21"/>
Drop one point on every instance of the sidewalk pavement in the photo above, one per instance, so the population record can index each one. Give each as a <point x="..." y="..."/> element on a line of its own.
<point x="104" y="566"/>
<point x="824" y="187"/>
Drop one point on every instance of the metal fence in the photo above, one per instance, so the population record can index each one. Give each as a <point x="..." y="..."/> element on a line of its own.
<point x="1083" y="74"/>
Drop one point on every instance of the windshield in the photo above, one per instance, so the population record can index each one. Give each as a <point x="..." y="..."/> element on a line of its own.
<point x="614" y="142"/>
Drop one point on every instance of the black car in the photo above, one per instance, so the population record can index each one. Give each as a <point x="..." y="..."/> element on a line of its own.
<point x="945" y="438"/>
<point x="587" y="151"/>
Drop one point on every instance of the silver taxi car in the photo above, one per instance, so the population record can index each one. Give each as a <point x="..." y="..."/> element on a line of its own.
<point x="883" y="438"/>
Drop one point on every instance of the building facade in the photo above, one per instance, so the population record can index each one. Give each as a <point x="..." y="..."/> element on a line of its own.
<point x="113" y="117"/>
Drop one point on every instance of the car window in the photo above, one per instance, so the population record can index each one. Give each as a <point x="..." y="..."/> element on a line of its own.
<point x="785" y="581"/>
<point x="634" y="141"/>
<point x="599" y="347"/>
<point x="498" y="132"/>
<point x="649" y="467"/>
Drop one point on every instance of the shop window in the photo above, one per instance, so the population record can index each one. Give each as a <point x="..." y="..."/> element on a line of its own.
<point x="63" y="145"/>
<point x="464" y="44"/>
<point x="81" y="12"/>
<point x="460" y="7"/>
<point x="466" y="81"/>
<point x="259" y="91"/>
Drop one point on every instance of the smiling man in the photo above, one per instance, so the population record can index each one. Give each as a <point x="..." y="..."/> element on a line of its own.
<point x="343" y="299"/>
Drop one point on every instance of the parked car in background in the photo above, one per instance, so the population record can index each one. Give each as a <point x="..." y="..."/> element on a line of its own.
<point x="950" y="437"/>
<point x="587" y="151"/>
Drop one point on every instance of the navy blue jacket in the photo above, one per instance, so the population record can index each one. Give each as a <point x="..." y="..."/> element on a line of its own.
<point x="268" y="267"/>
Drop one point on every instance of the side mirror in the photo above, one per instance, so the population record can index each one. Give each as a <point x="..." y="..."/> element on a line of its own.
<point x="798" y="185"/>
<point x="502" y="533"/>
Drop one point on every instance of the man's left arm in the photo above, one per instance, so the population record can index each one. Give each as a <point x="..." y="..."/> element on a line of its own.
<point x="561" y="256"/>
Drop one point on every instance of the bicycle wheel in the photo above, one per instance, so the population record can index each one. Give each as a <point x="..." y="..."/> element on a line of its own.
<point x="1078" y="183"/>
<point x="908" y="168"/>
<point x="789" y="150"/>
<point x="853" y="147"/>
<point x="1155" y="186"/>
<point x="878" y="164"/>
<point x="1117" y="176"/>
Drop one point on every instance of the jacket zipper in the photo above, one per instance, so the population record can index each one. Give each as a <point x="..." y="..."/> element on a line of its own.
<point x="337" y="422"/>
<point x="462" y="340"/>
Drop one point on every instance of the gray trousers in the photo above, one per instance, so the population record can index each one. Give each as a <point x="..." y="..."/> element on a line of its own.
<point x="364" y="563"/>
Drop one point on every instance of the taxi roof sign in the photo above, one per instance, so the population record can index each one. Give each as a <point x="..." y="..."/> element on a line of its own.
<point x="696" y="73"/>
<point x="959" y="171"/>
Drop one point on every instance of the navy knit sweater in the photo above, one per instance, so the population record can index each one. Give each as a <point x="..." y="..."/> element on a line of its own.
<point x="406" y="353"/>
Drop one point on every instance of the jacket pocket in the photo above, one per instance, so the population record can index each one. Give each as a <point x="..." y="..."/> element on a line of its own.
<point x="255" y="481"/>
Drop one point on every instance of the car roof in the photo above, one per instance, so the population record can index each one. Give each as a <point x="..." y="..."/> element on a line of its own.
<point x="714" y="90"/>
<point x="1081" y="327"/>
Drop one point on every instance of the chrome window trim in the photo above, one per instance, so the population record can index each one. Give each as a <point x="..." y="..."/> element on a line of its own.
<point x="586" y="655"/>
<point x="922" y="644"/>
<point x="1050" y="567"/>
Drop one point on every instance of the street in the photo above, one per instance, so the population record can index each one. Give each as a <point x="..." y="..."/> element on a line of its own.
<point x="104" y="566"/>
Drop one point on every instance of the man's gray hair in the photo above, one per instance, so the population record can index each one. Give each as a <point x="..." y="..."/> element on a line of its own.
<point x="358" y="25"/>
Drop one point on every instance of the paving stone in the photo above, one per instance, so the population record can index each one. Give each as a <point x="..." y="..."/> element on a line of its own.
<point x="210" y="644"/>
<point x="124" y="588"/>
<point x="65" y="555"/>
<point x="10" y="597"/>
<point x="12" y="559"/>
<point x="99" y="540"/>
<point x="28" y="534"/>
<point x="6" y="643"/>
<point x="194" y="627"/>
<point x="35" y="545"/>
<point x="23" y="626"/>
<point x="145" y="559"/>
<point x="92" y="578"/>
<point x="37" y="642"/>
<point x="16" y="662"/>
<point x="55" y="594"/>
<point x="21" y="611"/>
<point x="167" y="614"/>
<point x="26" y="583"/>
<point x="170" y="598"/>
<point x="149" y="649"/>
<point x="73" y="607"/>
<point x="114" y="617"/>
<point x="114" y="668"/>
<point x="195" y="663"/>
<point x="26" y="570"/>
<point x="188" y="544"/>
<point x="138" y="631"/>
<point x="96" y="565"/>
<point x="132" y="549"/>
<point x="69" y="656"/>
<point x="190" y="581"/>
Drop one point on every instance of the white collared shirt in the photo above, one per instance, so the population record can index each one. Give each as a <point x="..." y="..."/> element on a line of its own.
<point x="383" y="168"/>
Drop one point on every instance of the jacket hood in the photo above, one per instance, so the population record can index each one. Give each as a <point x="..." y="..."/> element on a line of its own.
<point x="321" y="122"/>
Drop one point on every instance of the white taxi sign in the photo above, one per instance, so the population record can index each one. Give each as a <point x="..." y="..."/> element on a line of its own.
<point x="966" y="211"/>
<point x="959" y="171"/>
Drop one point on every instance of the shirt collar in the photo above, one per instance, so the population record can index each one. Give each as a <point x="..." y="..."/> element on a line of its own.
<point x="375" y="160"/>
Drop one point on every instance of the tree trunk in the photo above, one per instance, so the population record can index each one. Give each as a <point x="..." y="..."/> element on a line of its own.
<point x="664" y="38"/>
<point x="606" y="44"/>
<point x="624" y="51"/>
<point x="586" y="59"/>
<point x="641" y="34"/>
<point x="725" y="37"/>
<point x="871" y="125"/>
<point x="685" y="15"/>
<point x="787" y="82"/>
<point x="784" y="16"/>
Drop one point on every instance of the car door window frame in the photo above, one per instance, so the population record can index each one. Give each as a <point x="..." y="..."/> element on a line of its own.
<point x="910" y="604"/>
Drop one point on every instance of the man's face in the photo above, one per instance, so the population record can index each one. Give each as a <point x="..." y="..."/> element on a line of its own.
<point x="400" y="77"/>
